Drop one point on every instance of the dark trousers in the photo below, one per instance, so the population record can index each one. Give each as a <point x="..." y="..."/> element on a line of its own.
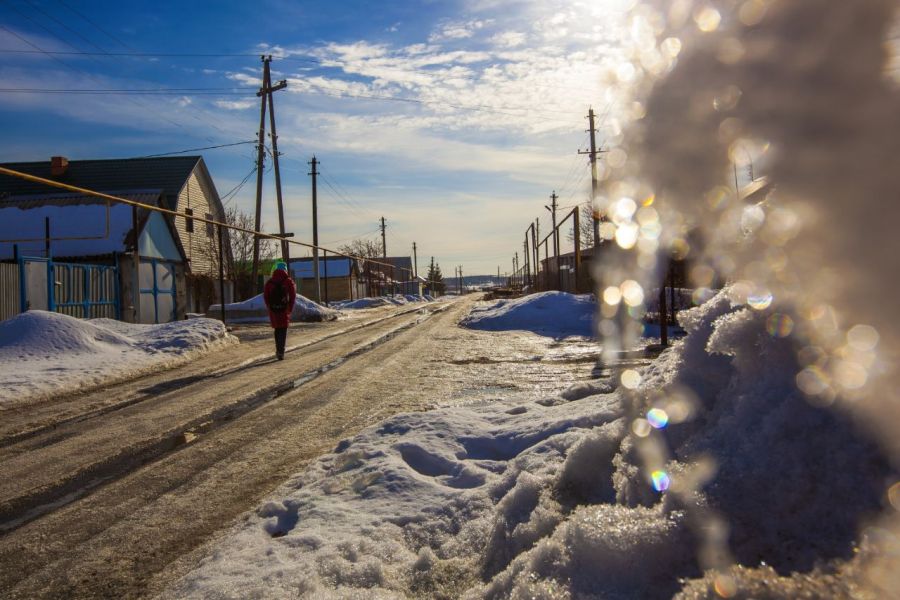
<point x="280" y="338"/>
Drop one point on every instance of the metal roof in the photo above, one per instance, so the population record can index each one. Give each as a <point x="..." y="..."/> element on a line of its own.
<point x="167" y="173"/>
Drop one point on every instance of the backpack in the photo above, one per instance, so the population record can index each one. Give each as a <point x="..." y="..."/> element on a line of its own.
<point x="278" y="297"/>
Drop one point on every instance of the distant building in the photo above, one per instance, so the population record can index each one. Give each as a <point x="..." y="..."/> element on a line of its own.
<point x="392" y="275"/>
<point x="338" y="278"/>
<point x="184" y="184"/>
<point x="101" y="259"/>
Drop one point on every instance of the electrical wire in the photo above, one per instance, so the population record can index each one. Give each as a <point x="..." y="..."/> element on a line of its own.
<point x="197" y="149"/>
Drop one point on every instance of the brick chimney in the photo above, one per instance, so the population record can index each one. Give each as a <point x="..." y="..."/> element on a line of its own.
<point x="58" y="166"/>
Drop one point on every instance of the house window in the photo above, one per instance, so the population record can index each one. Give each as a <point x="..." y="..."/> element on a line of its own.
<point x="189" y="222"/>
<point x="210" y="229"/>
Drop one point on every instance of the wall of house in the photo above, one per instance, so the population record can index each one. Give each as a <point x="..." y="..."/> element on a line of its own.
<point x="201" y="246"/>
<point x="338" y="288"/>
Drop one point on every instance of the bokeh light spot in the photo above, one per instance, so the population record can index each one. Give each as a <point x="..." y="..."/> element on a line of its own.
<point x="612" y="295"/>
<point x="707" y="19"/>
<point x="657" y="418"/>
<point x="779" y="325"/>
<point x="725" y="586"/>
<point x="632" y="292"/>
<point x="893" y="496"/>
<point x="863" y="338"/>
<point x="631" y="379"/>
<point x="660" y="480"/>
<point x="641" y="427"/>
<point x="760" y="299"/>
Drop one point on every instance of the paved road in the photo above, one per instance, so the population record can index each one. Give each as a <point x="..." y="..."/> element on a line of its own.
<point x="110" y="494"/>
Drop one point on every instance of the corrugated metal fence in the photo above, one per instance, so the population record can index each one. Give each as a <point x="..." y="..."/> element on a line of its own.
<point x="9" y="290"/>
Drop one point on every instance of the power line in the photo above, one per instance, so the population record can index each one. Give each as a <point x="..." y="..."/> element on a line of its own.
<point x="197" y="149"/>
<point x="133" y="92"/>
<point x="230" y="195"/>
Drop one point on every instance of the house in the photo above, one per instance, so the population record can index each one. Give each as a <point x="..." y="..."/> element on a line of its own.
<point x="392" y="275"/>
<point x="185" y="185"/>
<point x="338" y="278"/>
<point x="100" y="259"/>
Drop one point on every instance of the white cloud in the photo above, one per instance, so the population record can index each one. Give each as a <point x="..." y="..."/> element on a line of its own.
<point x="458" y="30"/>
<point x="509" y="39"/>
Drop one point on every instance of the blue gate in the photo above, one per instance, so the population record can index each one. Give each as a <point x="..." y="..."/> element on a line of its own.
<point x="79" y="290"/>
<point x="157" y="289"/>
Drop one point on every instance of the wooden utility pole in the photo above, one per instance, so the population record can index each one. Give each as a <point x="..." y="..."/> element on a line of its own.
<point x="415" y="262"/>
<point x="552" y="209"/>
<point x="592" y="154"/>
<point x="315" y="219"/>
<point x="285" y="247"/>
<point x="460" y="281"/>
<point x="383" y="239"/>
<point x="264" y="93"/>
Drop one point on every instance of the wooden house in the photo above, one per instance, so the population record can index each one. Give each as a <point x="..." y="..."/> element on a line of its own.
<point x="184" y="184"/>
<point x="88" y="258"/>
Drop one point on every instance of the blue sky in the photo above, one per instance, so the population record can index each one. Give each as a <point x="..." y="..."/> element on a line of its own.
<point x="453" y="119"/>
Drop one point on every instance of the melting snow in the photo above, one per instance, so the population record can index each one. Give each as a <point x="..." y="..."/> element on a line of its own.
<point x="503" y="499"/>
<point x="552" y="314"/>
<point x="44" y="353"/>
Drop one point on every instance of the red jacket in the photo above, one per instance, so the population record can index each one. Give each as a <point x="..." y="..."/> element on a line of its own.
<point x="282" y="318"/>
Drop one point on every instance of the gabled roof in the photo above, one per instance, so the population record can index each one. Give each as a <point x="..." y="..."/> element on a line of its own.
<point x="168" y="174"/>
<point x="74" y="216"/>
<point x="338" y="266"/>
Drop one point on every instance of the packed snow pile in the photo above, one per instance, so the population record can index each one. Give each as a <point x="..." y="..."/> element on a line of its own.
<point x="362" y="303"/>
<point x="552" y="314"/>
<point x="620" y="494"/>
<point x="46" y="353"/>
<point x="254" y="311"/>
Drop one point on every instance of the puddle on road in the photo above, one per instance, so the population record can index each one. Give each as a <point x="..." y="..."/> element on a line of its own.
<point x="471" y="367"/>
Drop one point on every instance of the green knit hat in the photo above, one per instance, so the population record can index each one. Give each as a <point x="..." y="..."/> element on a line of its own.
<point x="280" y="266"/>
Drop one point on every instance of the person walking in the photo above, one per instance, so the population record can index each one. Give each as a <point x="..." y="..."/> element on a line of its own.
<point x="279" y="296"/>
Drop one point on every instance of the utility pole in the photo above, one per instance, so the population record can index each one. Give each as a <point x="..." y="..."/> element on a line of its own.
<point x="431" y="279"/>
<point x="460" y="281"/>
<point x="285" y="247"/>
<point x="552" y="209"/>
<point x="264" y="93"/>
<point x="592" y="154"/>
<point x="415" y="262"/>
<point x="383" y="242"/>
<point x="315" y="219"/>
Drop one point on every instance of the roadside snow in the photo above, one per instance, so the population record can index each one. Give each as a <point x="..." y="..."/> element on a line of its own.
<point x="552" y="314"/>
<point x="46" y="353"/>
<point x="254" y="311"/>
<point x="595" y="497"/>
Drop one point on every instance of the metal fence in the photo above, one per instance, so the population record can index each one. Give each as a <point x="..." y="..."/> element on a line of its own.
<point x="545" y="266"/>
<point x="9" y="290"/>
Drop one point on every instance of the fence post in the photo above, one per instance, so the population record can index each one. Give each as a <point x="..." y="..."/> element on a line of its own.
<point x="21" y="265"/>
<point x="117" y="289"/>
<point x="221" y="274"/>
<point x="325" y="263"/>
<point x="577" y="236"/>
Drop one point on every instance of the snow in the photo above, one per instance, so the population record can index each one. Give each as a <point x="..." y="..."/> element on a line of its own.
<point x="556" y="499"/>
<point x="254" y="310"/>
<point x="380" y="301"/>
<point x="552" y="314"/>
<point x="45" y="353"/>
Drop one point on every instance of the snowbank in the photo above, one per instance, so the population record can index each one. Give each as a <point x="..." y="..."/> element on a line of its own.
<point x="254" y="311"/>
<point x="614" y="495"/>
<point x="45" y="353"/>
<point x="380" y="301"/>
<point x="552" y="314"/>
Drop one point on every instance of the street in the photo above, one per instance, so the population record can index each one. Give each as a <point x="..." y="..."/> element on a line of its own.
<point x="114" y="493"/>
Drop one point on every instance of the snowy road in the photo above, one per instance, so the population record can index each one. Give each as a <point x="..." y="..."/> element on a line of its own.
<point x="132" y="481"/>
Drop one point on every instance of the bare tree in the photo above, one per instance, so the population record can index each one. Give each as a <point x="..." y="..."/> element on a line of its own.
<point x="586" y="227"/>
<point x="239" y="251"/>
<point x="362" y="247"/>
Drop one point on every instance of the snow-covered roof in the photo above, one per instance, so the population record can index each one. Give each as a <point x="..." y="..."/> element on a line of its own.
<point x="101" y="231"/>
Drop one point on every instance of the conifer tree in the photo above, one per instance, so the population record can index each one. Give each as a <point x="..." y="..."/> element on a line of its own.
<point x="436" y="279"/>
